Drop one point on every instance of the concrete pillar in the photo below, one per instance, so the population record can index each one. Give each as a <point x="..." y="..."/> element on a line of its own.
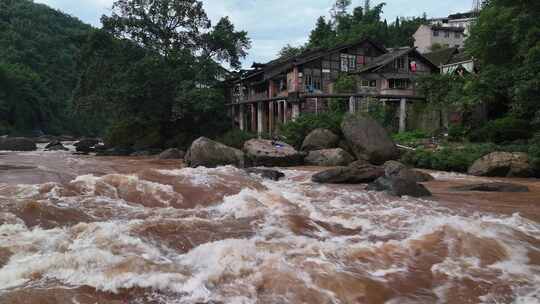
<point x="253" y="117"/>
<point x="403" y="115"/>
<point x="285" y="112"/>
<point x="271" y="117"/>
<point x="295" y="111"/>
<point x="241" y="117"/>
<point x="352" y="105"/>
<point x="280" y="112"/>
<point x="261" y="118"/>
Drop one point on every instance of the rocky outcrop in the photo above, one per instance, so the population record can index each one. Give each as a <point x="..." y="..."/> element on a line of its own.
<point x="320" y="139"/>
<point x="349" y="175"/>
<point x="396" y="169"/>
<point x="268" y="153"/>
<point x="502" y="164"/>
<point x="172" y="154"/>
<point x="86" y="145"/>
<point x="369" y="140"/>
<point x="274" y="175"/>
<point x="208" y="153"/>
<point x="399" y="187"/>
<point x="329" y="158"/>
<point x="55" y="145"/>
<point x="492" y="187"/>
<point x="17" y="144"/>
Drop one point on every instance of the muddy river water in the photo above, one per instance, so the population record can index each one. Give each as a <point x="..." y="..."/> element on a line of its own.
<point x="85" y="230"/>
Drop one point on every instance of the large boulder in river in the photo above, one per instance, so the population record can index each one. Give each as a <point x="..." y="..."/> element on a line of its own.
<point x="86" y="144"/>
<point x="268" y="153"/>
<point x="394" y="168"/>
<point x="320" y="139"/>
<point x="208" y="153"/>
<point x="349" y="175"/>
<point x="502" y="164"/>
<point x="399" y="187"/>
<point x="55" y="145"/>
<point x="172" y="154"/>
<point x="368" y="139"/>
<point x="329" y="158"/>
<point x="17" y="144"/>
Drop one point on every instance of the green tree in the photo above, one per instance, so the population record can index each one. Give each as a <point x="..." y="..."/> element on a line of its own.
<point x="505" y="41"/>
<point x="322" y="35"/>
<point x="290" y="51"/>
<point x="155" y="74"/>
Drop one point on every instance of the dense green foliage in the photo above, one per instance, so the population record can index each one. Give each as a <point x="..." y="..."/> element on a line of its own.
<point x="506" y="43"/>
<point x="502" y="130"/>
<point x="294" y="132"/>
<point x="39" y="48"/>
<point x="162" y="86"/>
<point x="236" y="138"/>
<point x="362" y="22"/>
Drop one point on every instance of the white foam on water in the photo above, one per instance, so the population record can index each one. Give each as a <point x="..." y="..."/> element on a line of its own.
<point x="110" y="255"/>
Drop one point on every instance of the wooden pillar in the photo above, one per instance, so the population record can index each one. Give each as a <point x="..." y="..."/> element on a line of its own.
<point x="403" y="115"/>
<point x="241" y="117"/>
<point x="352" y="105"/>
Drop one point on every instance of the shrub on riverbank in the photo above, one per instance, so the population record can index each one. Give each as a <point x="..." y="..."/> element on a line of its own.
<point x="294" y="132"/>
<point x="236" y="138"/>
<point x="458" y="158"/>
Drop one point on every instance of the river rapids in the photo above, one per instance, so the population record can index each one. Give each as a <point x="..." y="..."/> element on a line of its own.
<point x="85" y="230"/>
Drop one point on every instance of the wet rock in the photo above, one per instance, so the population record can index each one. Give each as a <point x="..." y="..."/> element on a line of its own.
<point x="349" y="175"/>
<point x="399" y="187"/>
<point x="502" y="164"/>
<point x="274" y="175"/>
<point x="329" y="158"/>
<point x="343" y="144"/>
<point x="268" y="153"/>
<point x="172" y="154"/>
<point x="66" y="138"/>
<point x="396" y="169"/>
<point x="86" y="144"/>
<point x="208" y="153"/>
<point x="369" y="140"/>
<point x="320" y="139"/>
<point x="492" y="187"/>
<point x="17" y="144"/>
<point x="418" y="176"/>
<point x="56" y="147"/>
<point x="393" y="168"/>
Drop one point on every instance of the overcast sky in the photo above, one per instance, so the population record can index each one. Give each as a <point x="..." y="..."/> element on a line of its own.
<point x="272" y="24"/>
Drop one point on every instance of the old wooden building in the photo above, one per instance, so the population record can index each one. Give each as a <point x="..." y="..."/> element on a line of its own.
<point x="280" y="90"/>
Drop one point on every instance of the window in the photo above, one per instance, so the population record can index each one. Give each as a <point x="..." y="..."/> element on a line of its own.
<point x="369" y="83"/>
<point x="446" y="34"/>
<point x="399" y="83"/>
<point x="457" y="35"/>
<point x="348" y="63"/>
<point x="436" y="33"/>
<point x="313" y="83"/>
<point x="373" y="83"/>
<point x="400" y="63"/>
<point x="365" y="83"/>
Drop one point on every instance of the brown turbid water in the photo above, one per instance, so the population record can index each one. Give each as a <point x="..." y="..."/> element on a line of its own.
<point x="85" y="230"/>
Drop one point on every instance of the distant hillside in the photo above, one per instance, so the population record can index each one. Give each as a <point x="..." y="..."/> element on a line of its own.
<point x="39" y="47"/>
